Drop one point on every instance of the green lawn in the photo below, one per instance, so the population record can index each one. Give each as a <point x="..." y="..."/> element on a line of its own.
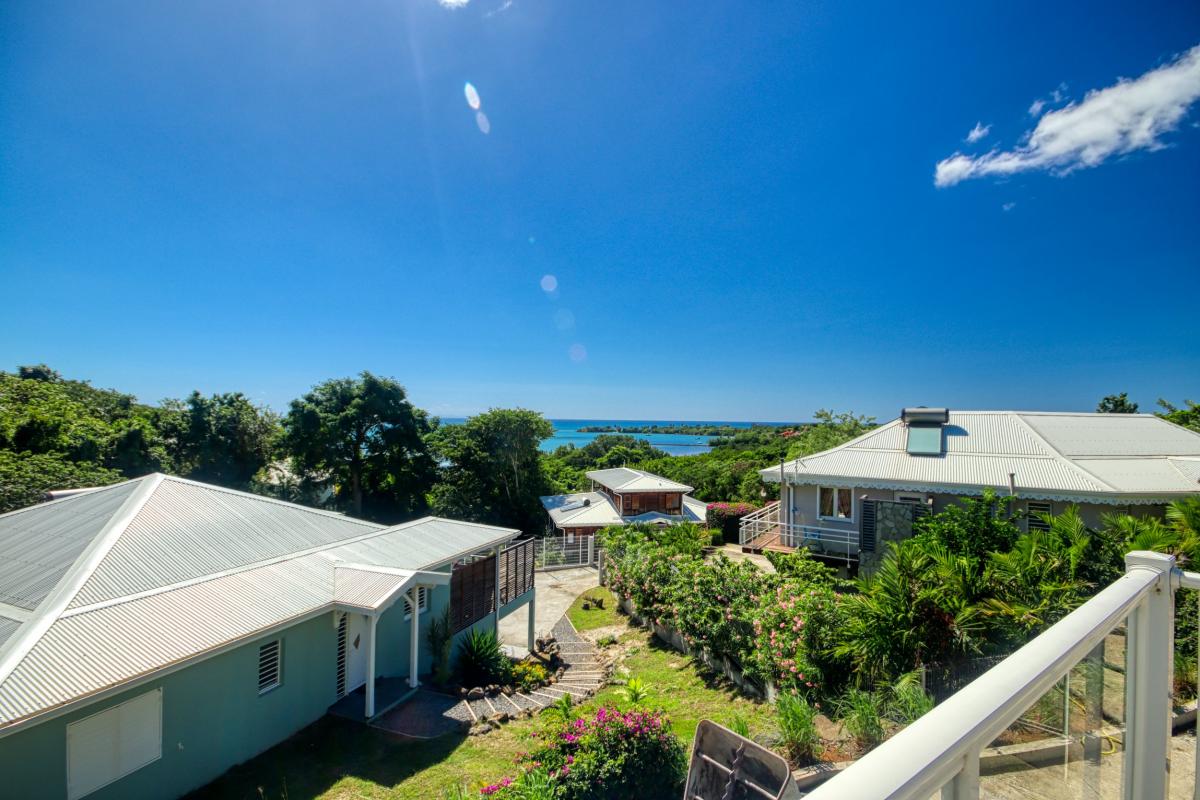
<point x="334" y="759"/>
<point x="595" y="617"/>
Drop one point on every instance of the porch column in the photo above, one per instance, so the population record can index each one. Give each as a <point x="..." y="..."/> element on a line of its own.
<point x="414" y="596"/>
<point x="369" y="711"/>
<point x="496" y="599"/>
<point x="532" y="632"/>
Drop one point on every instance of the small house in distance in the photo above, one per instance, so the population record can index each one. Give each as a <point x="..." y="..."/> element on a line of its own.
<point x="619" y="497"/>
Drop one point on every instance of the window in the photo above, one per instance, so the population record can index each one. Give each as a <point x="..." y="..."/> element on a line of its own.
<point x="1036" y="508"/>
<point x="107" y="746"/>
<point x="909" y="497"/>
<point x="422" y="602"/>
<point x="270" y="658"/>
<point x="834" y="503"/>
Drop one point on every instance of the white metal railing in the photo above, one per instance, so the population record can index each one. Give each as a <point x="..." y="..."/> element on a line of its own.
<point x="562" y="552"/>
<point x="941" y="750"/>
<point x="767" y="528"/>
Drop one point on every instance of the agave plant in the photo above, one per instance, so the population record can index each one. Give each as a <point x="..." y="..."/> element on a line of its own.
<point x="635" y="691"/>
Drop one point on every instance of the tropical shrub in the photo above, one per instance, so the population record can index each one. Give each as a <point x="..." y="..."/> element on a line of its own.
<point x="859" y="710"/>
<point x="440" y="636"/>
<point x="797" y="726"/>
<point x="614" y="755"/>
<point x="562" y="709"/>
<point x="529" y="675"/>
<point x="713" y="604"/>
<point x="481" y="661"/>
<point x="908" y="701"/>
<point x="635" y="691"/>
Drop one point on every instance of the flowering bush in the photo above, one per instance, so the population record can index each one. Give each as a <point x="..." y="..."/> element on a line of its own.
<point x="794" y="637"/>
<point x="714" y="604"/>
<point x="608" y="755"/>
<point x="726" y="516"/>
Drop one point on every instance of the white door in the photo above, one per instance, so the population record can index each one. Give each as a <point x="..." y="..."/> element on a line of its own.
<point x="356" y="651"/>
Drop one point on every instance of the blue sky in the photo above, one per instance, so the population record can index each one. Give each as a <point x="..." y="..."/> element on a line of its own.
<point x="737" y="202"/>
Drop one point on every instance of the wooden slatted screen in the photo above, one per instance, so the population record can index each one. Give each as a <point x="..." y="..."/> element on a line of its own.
<point x="472" y="592"/>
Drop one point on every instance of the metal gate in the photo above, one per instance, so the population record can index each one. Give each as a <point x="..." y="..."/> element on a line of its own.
<point x="564" y="552"/>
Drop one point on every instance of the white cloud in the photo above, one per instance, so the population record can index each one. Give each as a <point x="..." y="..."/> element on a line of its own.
<point x="505" y="6"/>
<point x="1036" y="107"/>
<point x="1130" y="115"/>
<point x="453" y="3"/>
<point x="1009" y="206"/>
<point x="978" y="132"/>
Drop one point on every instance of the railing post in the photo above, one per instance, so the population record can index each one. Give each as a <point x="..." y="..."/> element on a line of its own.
<point x="964" y="785"/>
<point x="1148" y="680"/>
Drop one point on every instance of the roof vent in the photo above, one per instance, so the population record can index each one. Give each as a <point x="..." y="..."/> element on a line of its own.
<point x="925" y="430"/>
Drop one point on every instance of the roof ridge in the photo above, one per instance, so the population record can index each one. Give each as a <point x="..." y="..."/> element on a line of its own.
<point x="1063" y="458"/>
<point x="845" y="445"/>
<point x="265" y="499"/>
<point x="52" y="607"/>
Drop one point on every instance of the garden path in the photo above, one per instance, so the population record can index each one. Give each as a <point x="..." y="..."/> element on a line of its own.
<point x="556" y="590"/>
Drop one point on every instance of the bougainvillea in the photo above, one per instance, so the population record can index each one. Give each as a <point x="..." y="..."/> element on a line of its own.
<point x="609" y="754"/>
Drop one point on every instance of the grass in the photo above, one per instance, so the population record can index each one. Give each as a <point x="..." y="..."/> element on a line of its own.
<point x="338" y="760"/>
<point x="595" y="617"/>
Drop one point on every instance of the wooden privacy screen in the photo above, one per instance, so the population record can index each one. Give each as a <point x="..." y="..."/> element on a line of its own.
<point x="516" y="571"/>
<point x="473" y="585"/>
<point x="472" y="592"/>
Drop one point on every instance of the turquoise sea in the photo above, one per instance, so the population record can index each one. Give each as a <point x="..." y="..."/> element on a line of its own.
<point x="566" y="431"/>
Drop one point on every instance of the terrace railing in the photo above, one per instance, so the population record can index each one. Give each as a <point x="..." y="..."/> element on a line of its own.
<point x="941" y="750"/>
<point x="762" y="528"/>
<point x="564" y="552"/>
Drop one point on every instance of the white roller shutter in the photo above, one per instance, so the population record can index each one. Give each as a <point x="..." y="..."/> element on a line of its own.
<point x="110" y="745"/>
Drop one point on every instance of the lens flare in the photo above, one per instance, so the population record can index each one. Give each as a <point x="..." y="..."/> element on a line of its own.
<point x="472" y="96"/>
<point x="549" y="283"/>
<point x="482" y="121"/>
<point x="578" y="353"/>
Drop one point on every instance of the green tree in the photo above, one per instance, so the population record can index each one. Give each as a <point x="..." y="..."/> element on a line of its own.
<point x="974" y="526"/>
<point x="222" y="439"/>
<point x="369" y="439"/>
<point x="1117" y="404"/>
<point x="26" y="477"/>
<point x="1188" y="416"/>
<point x="493" y="472"/>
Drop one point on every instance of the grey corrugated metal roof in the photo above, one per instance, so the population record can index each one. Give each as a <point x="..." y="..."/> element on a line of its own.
<point x="568" y="509"/>
<point x="365" y="588"/>
<point x="1114" y="458"/>
<point x="1113" y="435"/>
<point x="39" y="544"/>
<point x="187" y="530"/>
<point x="7" y="628"/>
<point x="164" y="577"/>
<point x="627" y="479"/>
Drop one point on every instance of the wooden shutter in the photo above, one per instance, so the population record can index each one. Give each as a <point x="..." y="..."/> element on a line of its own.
<point x="866" y="532"/>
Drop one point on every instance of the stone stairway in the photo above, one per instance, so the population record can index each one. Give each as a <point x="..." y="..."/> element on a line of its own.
<point x="583" y="672"/>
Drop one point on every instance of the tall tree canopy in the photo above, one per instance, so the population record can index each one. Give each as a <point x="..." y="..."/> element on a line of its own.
<point x="223" y="439"/>
<point x="1117" y="404"/>
<point x="365" y="436"/>
<point x="1188" y="416"/>
<point x="492" y="471"/>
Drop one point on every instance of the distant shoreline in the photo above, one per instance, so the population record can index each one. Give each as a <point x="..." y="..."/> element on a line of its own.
<point x="685" y="429"/>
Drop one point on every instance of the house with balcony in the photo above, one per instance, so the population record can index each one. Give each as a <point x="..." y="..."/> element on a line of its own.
<point x="622" y="496"/>
<point x="156" y="632"/>
<point x="846" y="501"/>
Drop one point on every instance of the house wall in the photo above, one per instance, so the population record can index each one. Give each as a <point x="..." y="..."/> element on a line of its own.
<point x="212" y="719"/>
<point x="212" y="715"/>
<point x="803" y="507"/>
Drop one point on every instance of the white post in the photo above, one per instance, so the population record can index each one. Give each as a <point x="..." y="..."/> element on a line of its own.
<point x="591" y="548"/>
<point x="496" y="599"/>
<point x="531" y="633"/>
<point x="370" y="709"/>
<point x="1148" y="681"/>
<point x="414" y="637"/>
<point x="964" y="785"/>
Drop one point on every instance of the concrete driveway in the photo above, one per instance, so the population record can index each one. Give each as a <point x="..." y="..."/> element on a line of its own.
<point x="556" y="590"/>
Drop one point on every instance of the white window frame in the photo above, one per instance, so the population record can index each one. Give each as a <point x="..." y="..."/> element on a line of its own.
<point x="278" y="666"/>
<point x="113" y="714"/>
<point x="422" y="602"/>
<point x="835" y="490"/>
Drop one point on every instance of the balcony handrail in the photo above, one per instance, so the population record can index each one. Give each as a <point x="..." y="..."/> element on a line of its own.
<point x="941" y="749"/>
<point x="769" y="510"/>
<point x="750" y="529"/>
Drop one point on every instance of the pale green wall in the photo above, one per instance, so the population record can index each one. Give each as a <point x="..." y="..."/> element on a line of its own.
<point x="213" y="718"/>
